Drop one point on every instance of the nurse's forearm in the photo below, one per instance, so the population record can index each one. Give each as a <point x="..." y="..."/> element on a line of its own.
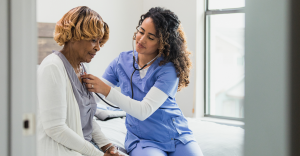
<point x="138" y="109"/>
<point x="102" y="96"/>
<point x="106" y="89"/>
<point x="107" y="86"/>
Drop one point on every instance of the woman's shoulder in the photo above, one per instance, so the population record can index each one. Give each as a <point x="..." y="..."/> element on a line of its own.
<point x="52" y="60"/>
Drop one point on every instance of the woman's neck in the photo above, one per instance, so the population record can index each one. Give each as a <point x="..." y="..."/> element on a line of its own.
<point x="71" y="57"/>
<point x="144" y="59"/>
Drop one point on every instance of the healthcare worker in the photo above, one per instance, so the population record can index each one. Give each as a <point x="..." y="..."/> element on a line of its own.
<point x="149" y="82"/>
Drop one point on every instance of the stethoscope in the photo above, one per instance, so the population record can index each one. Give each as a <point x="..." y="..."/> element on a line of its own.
<point x="135" y="69"/>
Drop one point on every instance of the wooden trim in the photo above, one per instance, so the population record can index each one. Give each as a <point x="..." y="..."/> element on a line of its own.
<point x="46" y="43"/>
<point x="46" y="29"/>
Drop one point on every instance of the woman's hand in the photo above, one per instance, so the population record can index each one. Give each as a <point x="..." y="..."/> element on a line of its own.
<point x="112" y="151"/>
<point x="94" y="84"/>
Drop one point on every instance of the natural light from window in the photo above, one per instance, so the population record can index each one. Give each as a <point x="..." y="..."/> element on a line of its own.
<point x="225" y="73"/>
<point x="225" y="4"/>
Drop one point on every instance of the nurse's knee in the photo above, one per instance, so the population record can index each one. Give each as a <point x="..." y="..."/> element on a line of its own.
<point x="191" y="149"/>
<point x="147" y="151"/>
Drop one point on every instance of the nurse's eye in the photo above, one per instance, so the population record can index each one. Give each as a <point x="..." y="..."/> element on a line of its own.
<point x="151" y="38"/>
<point x="140" y="32"/>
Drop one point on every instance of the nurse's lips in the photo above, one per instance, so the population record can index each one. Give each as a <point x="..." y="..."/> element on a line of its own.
<point x="140" y="45"/>
<point x="92" y="55"/>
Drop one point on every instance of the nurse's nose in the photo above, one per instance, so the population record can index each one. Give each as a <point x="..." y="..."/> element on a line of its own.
<point x="143" y="39"/>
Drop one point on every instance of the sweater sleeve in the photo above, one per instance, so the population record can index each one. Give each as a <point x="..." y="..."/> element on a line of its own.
<point x="98" y="135"/>
<point x="53" y="110"/>
<point x="138" y="109"/>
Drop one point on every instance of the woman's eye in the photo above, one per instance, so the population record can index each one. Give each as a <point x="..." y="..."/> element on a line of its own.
<point x="141" y="32"/>
<point x="94" y="40"/>
<point x="151" y="38"/>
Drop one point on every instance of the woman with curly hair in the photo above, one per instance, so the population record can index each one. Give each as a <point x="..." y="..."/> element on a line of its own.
<point x="65" y="125"/>
<point x="155" y="124"/>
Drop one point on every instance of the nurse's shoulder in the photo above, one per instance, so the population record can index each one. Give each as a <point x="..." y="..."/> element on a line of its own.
<point x="168" y="70"/>
<point x="122" y="58"/>
<point x="125" y="55"/>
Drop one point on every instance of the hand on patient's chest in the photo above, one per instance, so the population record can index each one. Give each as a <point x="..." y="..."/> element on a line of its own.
<point x="79" y="75"/>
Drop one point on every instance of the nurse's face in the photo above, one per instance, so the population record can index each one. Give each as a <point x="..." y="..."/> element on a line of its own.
<point x="85" y="50"/>
<point x="147" y="42"/>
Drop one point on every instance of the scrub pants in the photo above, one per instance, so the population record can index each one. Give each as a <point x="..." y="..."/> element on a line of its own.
<point x="189" y="149"/>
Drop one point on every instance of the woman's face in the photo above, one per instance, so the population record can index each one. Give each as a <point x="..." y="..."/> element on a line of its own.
<point x="147" y="42"/>
<point x="85" y="50"/>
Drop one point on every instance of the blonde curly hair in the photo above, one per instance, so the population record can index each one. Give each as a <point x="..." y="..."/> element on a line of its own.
<point x="81" y="23"/>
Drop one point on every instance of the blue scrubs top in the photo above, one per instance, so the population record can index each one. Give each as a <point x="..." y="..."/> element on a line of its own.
<point x="167" y="123"/>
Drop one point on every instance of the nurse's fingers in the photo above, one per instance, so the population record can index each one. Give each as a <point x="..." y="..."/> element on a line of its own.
<point x="90" y="86"/>
<point x="88" y="76"/>
<point x="91" y="90"/>
<point x="88" y="81"/>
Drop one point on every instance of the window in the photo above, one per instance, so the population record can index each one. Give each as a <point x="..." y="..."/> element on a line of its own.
<point x="224" y="60"/>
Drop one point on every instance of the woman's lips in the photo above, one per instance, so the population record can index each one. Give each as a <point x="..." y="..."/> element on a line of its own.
<point x="92" y="55"/>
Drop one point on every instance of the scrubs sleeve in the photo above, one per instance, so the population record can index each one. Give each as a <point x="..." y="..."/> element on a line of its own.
<point x="167" y="81"/>
<point x="111" y="74"/>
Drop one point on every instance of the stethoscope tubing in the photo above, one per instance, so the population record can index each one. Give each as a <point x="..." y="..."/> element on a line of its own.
<point x="135" y="69"/>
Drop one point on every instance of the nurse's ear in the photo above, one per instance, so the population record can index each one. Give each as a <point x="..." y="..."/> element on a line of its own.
<point x="134" y="36"/>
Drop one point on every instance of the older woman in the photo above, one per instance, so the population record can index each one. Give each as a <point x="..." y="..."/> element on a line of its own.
<point x="149" y="79"/>
<point x="66" y="108"/>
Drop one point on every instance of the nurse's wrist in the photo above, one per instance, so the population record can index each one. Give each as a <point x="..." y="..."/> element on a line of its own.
<point x="106" y="90"/>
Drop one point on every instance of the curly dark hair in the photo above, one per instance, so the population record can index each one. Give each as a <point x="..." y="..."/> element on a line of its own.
<point x="173" y="45"/>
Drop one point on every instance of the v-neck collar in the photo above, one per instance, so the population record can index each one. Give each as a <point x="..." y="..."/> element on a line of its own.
<point x="137" y="77"/>
<point x="69" y="68"/>
<point x="137" y="73"/>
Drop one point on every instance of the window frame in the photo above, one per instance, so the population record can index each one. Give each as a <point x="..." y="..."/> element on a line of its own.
<point x="207" y="15"/>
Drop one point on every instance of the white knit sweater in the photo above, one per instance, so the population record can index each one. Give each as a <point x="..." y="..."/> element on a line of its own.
<point x="59" y="131"/>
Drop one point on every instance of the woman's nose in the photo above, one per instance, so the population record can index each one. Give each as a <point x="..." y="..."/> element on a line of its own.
<point x="97" y="47"/>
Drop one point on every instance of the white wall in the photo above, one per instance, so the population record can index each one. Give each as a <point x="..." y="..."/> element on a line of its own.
<point x="122" y="17"/>
<point x="267" y="78"/>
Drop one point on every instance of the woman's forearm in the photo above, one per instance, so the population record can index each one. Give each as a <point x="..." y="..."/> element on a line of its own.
<point x="98" y="136"/>
<point x="68" y="138"/>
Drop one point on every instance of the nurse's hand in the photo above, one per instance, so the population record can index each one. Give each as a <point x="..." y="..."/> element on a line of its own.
<point x="94" y="84"/>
